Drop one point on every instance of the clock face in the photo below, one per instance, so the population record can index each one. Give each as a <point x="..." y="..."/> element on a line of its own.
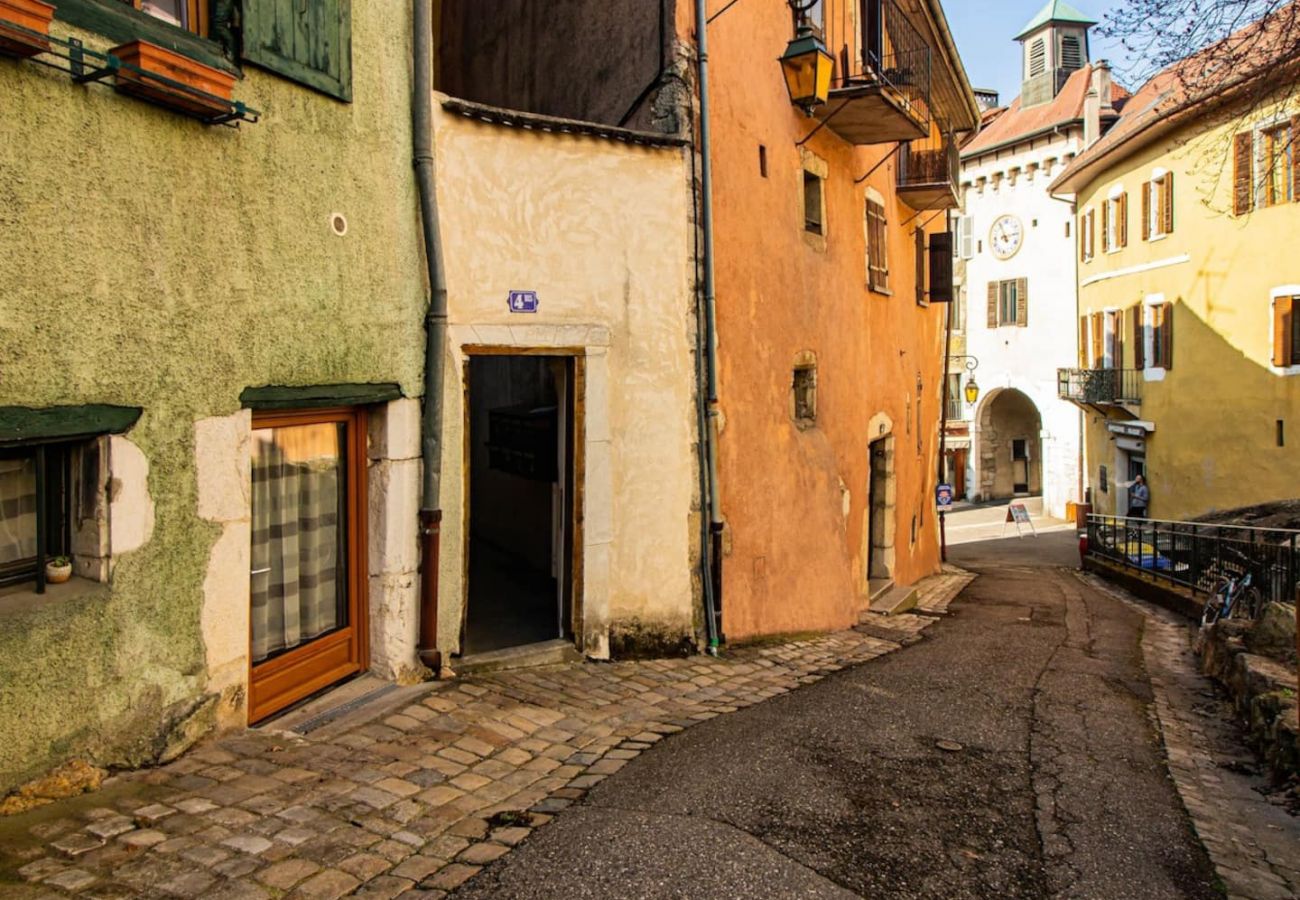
<point x="1006" y="236"/>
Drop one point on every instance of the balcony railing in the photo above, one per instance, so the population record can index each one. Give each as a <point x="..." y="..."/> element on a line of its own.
<point x="1101" y="386"/>
<point x="880" y="91"/>
<point x="929" y="172"/>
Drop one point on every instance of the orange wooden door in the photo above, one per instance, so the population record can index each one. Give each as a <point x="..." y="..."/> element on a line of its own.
<point x="308" y="577"/>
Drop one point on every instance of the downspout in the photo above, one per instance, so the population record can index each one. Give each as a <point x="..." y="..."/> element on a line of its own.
<point x="435" y="325"/>
<point x="712" y="550"/>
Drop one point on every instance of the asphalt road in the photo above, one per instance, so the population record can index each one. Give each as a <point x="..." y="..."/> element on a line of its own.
<point x="840" y="789"/>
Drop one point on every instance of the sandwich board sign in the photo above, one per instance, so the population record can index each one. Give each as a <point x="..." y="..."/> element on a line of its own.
<point x="943" y="497"/>
<point x="1017" y="513"/>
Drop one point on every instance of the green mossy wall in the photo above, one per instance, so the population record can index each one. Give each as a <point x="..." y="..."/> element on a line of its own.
<point x="148" y="260"/>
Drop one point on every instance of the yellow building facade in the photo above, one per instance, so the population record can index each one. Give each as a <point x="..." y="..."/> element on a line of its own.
<point x="1189" y="354"/>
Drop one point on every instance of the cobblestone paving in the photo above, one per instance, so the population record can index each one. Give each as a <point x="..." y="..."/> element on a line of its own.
<point x="415" y="803"/>
<point x="1254" y="845"/>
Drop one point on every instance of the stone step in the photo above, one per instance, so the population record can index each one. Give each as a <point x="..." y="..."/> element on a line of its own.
<point x="546" y="653"/>
<point x="896" y="600"/>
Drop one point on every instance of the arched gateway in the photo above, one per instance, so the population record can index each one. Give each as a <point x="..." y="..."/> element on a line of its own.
<point x="1009" y="447"/>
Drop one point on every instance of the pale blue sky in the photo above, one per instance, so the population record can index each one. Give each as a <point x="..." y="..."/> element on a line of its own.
<point x="985" y="32"/>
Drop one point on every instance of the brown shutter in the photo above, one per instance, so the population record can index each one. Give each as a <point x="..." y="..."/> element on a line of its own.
<point x="1167" y="335"/>
<point x="1121" y="232"/>
<point x="1022" y="302"/>
<point x="1146" y="209"/>
<point x="1083" y="237"/>
<point x="1095" y="358"/>
<point x="1167" y="201"/>
<point x="1295" y="158"/>
<point x="1105" y="226"/>
<point x="993" y="304"/>
<point x="1117" y="322"/>
<point x="1083" y="342"/>
<point x="1282" y="331"/>
<point x="1243" y="179"/>
<point x="1139" y="339"/>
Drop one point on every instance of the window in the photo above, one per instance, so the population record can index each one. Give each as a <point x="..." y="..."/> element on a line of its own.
<point x="1276" y="166"/>
<point x="1088" y="235"/>
<point x="1008" y="303"/>
<point x="1161" y="331"/>
<point x="34" y="510"/>
<point x="1113" y="340"/>
<point x="1158" y="207"/>
<point x="815" y="17"/>
<point x="877" y="251"/>
<point x="762" y="160"/>
<point x="812" y="203"/>
<point x="1037" y="57"/>
<point x="188" y="14"/>
<point x="1286" y="331"/>
<point x="1114" y="223"/>
<point x="1265" y="167"/>
<point x="954" y="396"/>
<point x="804" y="388"/>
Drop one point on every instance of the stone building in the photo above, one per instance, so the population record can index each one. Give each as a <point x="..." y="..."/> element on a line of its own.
<point x="829" y="352"/>
<point x="1020" y="438"/>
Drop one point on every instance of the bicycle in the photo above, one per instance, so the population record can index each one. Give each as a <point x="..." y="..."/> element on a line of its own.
<point x="1232" y="598"/>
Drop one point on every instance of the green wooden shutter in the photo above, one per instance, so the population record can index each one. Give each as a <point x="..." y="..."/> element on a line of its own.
<point x="308" y="41"/>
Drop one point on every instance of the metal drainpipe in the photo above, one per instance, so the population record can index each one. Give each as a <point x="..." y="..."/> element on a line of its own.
<point x="435" y="324"/>
<point x="709" y="436"/>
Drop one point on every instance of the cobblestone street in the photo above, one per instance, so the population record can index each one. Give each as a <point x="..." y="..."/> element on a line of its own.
<point x="415" y="802"/>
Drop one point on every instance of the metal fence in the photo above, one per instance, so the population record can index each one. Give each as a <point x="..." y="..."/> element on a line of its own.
<point x="1100" y="385"/>
<point x="1196" y="555"/>
<point x="931" y="160"/>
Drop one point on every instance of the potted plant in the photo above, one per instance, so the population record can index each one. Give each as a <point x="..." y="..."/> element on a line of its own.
<point x="150" y="70"/>
<point x="18" y="20"/>
<point x="58" y="569"/>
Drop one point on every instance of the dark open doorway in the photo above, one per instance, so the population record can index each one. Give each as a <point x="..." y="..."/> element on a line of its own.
<point x="520" y="490"/>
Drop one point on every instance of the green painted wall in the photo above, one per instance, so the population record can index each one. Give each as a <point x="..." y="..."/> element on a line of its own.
<point x="148" y="260"/>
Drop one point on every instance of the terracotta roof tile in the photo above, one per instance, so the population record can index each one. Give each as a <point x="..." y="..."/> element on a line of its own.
<point x="1016" y="122"/>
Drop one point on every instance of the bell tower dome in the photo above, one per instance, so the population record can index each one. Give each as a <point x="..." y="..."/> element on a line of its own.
<point x="1054" y="44"/>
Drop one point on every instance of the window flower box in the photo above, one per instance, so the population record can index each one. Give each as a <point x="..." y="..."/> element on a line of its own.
<point x="31" y="15"/>
<point x="169" y="79"/>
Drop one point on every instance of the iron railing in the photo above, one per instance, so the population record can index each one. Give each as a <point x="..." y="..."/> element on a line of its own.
<point x="1100" y="385"/>
<point x="1196" y="555"/>
<point x="929" y="161"/>
<point x="888" y="51"/>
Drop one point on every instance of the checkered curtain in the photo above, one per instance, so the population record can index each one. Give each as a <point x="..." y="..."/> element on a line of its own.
<point x="17" y="510"/>
<point x="297" y="572"/>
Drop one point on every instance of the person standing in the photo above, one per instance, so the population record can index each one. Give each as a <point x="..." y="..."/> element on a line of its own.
<point x="1139" y="496"/>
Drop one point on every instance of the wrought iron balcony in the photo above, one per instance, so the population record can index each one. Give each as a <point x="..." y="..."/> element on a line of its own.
<point x="929" y="172"/>
<point x="1100" y="387"/>
<point x="880" y="92"/>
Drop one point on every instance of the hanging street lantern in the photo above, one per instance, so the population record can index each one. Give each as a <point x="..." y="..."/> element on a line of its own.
<point x="972" y="390"/>
<point x="807" y="67"/>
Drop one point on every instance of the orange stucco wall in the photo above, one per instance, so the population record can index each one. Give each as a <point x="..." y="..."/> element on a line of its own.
<point x="796" y="501"/>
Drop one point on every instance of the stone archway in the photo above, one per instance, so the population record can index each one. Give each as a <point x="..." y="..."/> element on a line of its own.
<point x="1010" y="446"/>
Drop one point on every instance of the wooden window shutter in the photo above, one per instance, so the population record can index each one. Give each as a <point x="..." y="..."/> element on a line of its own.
<point x="1117" y="323"/>
<point x="1022" y="302"/>
<point x="1121" y="230"/>
<point x="1139" y="338"/>
<point x="1147" y="188"/>
<point x="1167" y="335"/>
<point x="1282" y="312"/>
<point x="1295" y="158"/>
<point x="307" y="41"/>
<point x="919" y="240"/>
<point x="1083" y="342"/>
<point x="1083" y="237"/>
<point x="1105" y="226"/>
<point x="1243" y="178"/>
<point x="1095" y="358"/>
<point x="1167" y="202"/>
<point x="993" y="304"/>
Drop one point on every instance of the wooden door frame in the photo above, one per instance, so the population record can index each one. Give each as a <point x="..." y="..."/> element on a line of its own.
<point x="578" y="469"/>
<point x="333" y="657"/>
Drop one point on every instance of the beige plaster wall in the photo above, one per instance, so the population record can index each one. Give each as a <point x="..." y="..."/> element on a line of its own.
<point x="601" y="230"/>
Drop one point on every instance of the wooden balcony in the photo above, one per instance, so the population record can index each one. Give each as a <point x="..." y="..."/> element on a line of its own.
<point x="929" y="172"/>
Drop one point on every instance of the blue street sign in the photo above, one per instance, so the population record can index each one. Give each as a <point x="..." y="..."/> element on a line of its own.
<point x="943" y="496"/>
<point x="523" y="301"/>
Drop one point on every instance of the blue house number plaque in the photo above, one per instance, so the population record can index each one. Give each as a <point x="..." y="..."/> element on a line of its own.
<point x="523" y="301"/>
